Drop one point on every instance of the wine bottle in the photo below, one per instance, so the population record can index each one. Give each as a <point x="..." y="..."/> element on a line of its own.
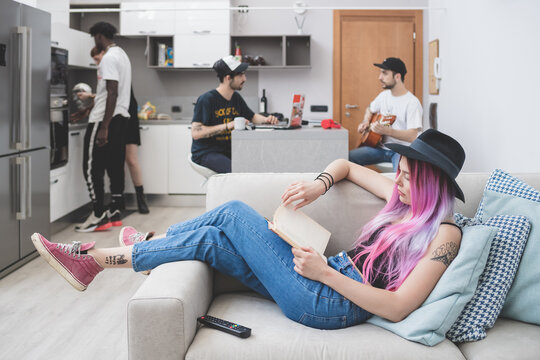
<point x="263" y="103"/>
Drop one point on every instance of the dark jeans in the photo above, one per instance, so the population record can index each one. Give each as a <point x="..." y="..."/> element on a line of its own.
<point x="110" y="158"/>
<point x="218" y="162"/>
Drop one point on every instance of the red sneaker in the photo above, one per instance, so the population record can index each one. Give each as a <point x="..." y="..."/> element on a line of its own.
<point x="78" y="269"/>
<point x="115" y="217"/>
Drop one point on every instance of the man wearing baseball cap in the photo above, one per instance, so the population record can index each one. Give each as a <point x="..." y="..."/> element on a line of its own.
<point x="213" y="117"/>
<point x="395" y="100"/>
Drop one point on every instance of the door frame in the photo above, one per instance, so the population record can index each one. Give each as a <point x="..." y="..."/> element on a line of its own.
<point x="415" y="15"/>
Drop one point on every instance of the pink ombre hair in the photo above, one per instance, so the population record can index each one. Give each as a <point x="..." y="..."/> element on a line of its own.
<point x="402" y="243"/>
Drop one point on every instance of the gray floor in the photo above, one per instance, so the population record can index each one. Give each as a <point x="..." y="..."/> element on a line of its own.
<point x="43" y="317"/>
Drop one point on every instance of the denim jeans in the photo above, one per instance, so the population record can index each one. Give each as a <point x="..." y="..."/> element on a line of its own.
<point x="234" y="239"/>
<point x="218" y="162"/>
<point x="367" y="155"/>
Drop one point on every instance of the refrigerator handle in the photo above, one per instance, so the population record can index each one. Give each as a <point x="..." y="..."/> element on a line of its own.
<point x="25" y="78"/>
<point x="25" y="186"/>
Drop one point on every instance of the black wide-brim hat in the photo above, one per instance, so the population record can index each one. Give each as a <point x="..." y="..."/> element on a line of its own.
<point x="438" y="149"/>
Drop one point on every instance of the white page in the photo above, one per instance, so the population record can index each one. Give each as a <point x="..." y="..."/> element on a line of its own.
<point x="301" y="229"/>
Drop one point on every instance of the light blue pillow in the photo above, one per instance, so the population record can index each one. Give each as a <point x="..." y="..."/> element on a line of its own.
<point x="505" y="194"/>
<point x="483" y="309"/>
<point x="429" y="323"/>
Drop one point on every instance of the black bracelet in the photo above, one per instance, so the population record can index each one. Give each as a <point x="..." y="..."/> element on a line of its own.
<point x="331" y="177"/>
<point x="323" y="176"/>
<point x="324" y="182"/>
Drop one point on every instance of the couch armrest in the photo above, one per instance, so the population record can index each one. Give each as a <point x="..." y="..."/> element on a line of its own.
<point x="162" y="315"/>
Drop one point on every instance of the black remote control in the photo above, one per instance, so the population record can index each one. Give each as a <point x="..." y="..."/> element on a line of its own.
<point x="226" y="326"/>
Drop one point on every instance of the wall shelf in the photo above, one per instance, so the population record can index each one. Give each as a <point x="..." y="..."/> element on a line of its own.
<point x="296" y="52"/>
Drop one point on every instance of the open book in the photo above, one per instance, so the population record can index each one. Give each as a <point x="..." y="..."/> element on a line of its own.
<point x="298" y="229"/>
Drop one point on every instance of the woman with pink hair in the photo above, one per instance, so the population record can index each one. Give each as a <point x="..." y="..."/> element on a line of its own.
<point x="394" y="265"/>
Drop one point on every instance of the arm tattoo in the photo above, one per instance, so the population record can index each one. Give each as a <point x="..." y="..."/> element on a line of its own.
<point x="445" y="253"/>
<point x="213" y="133"/>
<point x="115" y="260"/>
<point x="199" y="128"/>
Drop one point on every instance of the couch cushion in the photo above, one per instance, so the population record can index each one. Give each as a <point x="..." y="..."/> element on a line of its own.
<point x="508" y="339"/>
<point x="345" y="201"/>
<point x="429" y="323"/>
<point x="276" y="337"/>
<point x="504" y="255"/>
<point x="507" y="195"/>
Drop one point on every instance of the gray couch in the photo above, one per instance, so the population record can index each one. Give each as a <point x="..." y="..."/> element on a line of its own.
<point x="162" y="314"/>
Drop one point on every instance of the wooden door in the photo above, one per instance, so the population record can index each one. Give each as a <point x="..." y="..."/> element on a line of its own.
<point x="365" y="37"/>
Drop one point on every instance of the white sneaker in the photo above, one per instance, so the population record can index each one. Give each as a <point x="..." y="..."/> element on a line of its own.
<point x="94" y="223"/>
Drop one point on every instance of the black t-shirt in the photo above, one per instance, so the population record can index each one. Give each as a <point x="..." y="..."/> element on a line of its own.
<point x="213" y="109"/>
<point x="379" y="281"/>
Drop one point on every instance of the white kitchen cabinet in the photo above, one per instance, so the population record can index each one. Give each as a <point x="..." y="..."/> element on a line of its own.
<point x="211" y="17"/>
<point x="199" y="50"/>
<point x="59" y="199"/>
<point x="76" y="184"/>
<point x="77" y="43"/>
<point x="182" y="178"/>
<point x="154" y="160"/>
<point x="147" y="18"/>
<point x="201" y="34"/>
<point x="68" y="187"/>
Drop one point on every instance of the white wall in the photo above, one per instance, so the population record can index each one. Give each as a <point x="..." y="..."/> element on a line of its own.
<point x="317" y="82"/>
<point x="489" y="60"/>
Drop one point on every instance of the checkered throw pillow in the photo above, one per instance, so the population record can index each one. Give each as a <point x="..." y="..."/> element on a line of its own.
<point x="503" y="260"/>
<point x="503" y="183"/>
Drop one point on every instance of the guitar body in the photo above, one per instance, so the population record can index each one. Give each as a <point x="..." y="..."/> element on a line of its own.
<point x="370" y="138"/>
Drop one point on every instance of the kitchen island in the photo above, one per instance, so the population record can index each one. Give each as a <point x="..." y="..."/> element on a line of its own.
<point x="309" y="149"/>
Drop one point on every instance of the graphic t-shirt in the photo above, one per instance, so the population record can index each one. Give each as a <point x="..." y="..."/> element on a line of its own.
<point x="406" y="108"/>
<point x="213" y="109"/>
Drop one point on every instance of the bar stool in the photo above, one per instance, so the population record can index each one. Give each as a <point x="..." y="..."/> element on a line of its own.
<point x="203" y="171"/>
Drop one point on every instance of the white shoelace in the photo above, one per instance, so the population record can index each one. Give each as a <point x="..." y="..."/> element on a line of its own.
<point x="73" y="249"/>
<point x="137" y="237"/>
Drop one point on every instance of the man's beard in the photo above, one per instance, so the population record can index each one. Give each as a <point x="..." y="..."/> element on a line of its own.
<point x="388" y="86"/>
<point x="236" y="87"/>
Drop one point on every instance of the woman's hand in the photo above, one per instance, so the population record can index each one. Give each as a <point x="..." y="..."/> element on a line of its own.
<point x="308" y="191"/>
<point x="309" y="264"/>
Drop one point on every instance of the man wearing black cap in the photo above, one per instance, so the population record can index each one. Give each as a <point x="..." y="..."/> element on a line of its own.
<point x="396" y="100"/>
<point x="214" y="113"/>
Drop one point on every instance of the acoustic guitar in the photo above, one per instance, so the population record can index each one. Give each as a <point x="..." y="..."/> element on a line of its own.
<point x="371" y="138"/>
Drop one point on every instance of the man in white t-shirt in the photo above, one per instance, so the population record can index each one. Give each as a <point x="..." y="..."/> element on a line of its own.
<point x="104" y="143"/>
<point x="396" y="100"/>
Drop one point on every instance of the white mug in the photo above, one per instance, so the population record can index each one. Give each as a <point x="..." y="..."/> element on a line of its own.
<point x="239" y="123"/>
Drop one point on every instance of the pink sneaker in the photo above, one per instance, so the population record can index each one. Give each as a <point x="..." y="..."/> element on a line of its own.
<point x="129" y="236"/>
<point x="79" y="270"/>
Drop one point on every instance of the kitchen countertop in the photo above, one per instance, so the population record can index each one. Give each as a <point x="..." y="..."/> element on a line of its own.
<point x="183" y="121"/>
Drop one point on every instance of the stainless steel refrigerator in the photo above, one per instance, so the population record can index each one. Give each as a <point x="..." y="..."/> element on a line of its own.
<point x="25" y="38"/>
